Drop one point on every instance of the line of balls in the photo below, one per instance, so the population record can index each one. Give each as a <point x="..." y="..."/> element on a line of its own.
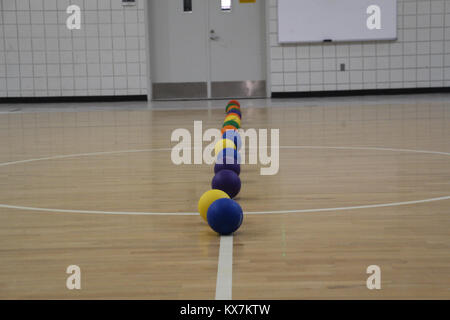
<point x="217" y="207"/>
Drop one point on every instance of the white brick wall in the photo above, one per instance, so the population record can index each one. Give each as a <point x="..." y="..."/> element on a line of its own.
<point x="419" y="58"/>
<point x="39" y="56"/>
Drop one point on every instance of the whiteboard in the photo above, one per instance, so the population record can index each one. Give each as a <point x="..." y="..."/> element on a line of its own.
<point x="335" y="20"/>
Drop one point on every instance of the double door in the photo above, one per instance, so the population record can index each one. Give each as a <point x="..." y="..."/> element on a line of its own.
<point x="203" y="49"/>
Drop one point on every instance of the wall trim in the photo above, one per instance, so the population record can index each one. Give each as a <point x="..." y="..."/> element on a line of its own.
<point x="363" y="92"/>
<point x="73" y="99"/>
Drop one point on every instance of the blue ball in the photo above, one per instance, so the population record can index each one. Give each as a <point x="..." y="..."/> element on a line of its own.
<point x="227" y="181"/>
<point x="225" y="216"/>
<point x="234" y="136"/>
<point x="228" y="165"/>
<point x="228" y="156"/>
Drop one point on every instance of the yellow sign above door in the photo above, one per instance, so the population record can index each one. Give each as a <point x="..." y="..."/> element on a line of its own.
<point x="247" y="1"/>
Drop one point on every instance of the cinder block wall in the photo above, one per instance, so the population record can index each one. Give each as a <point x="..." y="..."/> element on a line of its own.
<point x="419" y="58"/>
<point x="40" y="57"/>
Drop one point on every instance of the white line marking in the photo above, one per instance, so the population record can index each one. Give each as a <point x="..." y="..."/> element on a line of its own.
<point x="366" y="148"/>
<point x="169" y="149"/>
<point x="100" y="212"/>
<point x="225" y="269"/>
<point x="392" y="204"/>
<point x="82" y="155"/>
<point x="378" y="205"/>
<point x="195" y="213"/>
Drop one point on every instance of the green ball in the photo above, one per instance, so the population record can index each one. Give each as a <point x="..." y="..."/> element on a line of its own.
<point x="231" y="123"/>
<point x="231" y="106"/>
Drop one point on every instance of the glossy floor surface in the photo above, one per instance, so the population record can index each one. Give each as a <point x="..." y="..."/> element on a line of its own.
<point x="362" y="181"/>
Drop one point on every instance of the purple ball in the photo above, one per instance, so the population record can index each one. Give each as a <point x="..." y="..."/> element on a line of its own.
<point x="227" y="181"/>
<point x="228" y="166"/>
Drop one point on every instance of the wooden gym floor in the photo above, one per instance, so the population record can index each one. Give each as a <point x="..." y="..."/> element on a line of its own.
<point x="339" y="156"/>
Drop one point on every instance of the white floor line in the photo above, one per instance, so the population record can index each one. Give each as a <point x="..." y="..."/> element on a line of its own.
<point x="224" y="282"/>
<point x="83" y="155"/>
<point x="369" y="206"/>
<point x="55" y="210"/>
<point x="366" y="148"/>
<point x="6" y="206"/>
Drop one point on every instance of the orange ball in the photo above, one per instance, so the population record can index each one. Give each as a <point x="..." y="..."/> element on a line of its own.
<point x="227" y="128"/>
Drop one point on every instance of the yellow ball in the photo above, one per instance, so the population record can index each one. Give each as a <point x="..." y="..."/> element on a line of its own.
<point x="233" y="117"/>
<point x="207" y="199"/>
<point x="222" y="144"/>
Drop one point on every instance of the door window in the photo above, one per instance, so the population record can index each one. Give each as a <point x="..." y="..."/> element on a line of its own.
<point x="225" y="5"/>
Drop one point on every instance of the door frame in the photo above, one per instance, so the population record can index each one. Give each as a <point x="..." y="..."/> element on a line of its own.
<point x="148" y="49"/>
<point x="265" y="34"/>
<point x="208" y="52"/>
<point x="268" y="56"/>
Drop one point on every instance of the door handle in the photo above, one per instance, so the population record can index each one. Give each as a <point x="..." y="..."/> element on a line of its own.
<point x="213" y="36"/>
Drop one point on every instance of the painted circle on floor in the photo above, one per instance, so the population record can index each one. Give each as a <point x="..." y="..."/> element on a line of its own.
<point x="391" y="204"/>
